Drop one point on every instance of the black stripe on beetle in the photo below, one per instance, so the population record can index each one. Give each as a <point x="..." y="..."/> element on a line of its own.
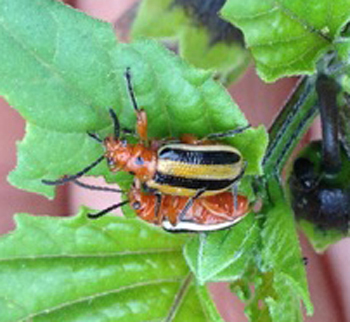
<point x="190" y="183"/>
<point x="205" y="157"/>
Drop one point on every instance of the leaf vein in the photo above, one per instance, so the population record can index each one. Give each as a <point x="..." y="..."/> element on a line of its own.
<point x="87" y="256"/>
<point x="100" y="295"/>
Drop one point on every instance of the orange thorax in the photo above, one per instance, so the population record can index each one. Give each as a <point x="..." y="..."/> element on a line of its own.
<point x="134" y="158"/>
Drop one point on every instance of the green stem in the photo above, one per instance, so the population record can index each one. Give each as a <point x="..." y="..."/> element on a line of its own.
<point x="327" y="90"/>
<point x="290" y="125"/>
<point x="344" y="115"/>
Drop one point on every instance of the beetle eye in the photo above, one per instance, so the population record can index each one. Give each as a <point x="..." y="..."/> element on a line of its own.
<point x="139" y="161"/>
<point x="136" y="205"/>
<point x="110" y="162"/>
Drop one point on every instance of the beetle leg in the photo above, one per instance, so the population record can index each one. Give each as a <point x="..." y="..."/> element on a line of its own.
<point x="228" y="133"/>
<point x="189" y="203"/>
<point x="107" y="210"/>
<point x="141" y="125"/>
<point x="191" y="139"/>
<point x="234" y="194"/>
<point x="158" y="215"/>
<point x="241" y="174"/>
<point x="235" y="187"/>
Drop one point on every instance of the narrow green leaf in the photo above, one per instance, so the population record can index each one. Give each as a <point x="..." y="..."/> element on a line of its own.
<point x="281" y="256"/>
<point x="162" y="19"/>
<point x="110" y="269"/>
<point x="223" y="255"/>
<point x="287" y="37"/>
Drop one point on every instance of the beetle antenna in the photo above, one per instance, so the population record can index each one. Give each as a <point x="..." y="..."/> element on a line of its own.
<point x="116" y="124"/>
<point x="131" y="89"/>
<point x="97" y="188"/>
<point x="228" y="133"/>
<point x="95" y="137"/>
<point x="74" y="176"/>
<point x="107" y="210"/>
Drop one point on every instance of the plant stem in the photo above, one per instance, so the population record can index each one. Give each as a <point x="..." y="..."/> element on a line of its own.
<point x="344" y="115"/>
<point x="290" y="125"/>
<point x="327" y="90"/>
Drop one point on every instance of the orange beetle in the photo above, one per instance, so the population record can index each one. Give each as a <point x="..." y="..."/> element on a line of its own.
<point x="191" y="168"/>
<point x="206" y="214"/>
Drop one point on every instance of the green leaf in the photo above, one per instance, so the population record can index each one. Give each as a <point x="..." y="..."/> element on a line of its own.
<point x="281" y="251"/>
<point x="228" y="61"/>
<point x="161" y="19"/>
<point x="55" y="65"/>
<point x="287" y="37"/>
<point x="111" y="269"/>
<point x="71" y="98"/>
<point x="223" y="255"/>
<point x="266" y="305"/>
<point x="320" y="239"/>
<point x="281" y="257"/>
<point x="254" y="143"/>
<point x="55" y="70"/>
<point x="257" y="309"/>
<point x="167" y="22"/>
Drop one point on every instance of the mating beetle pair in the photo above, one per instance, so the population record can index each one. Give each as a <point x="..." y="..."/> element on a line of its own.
<point x="189" y="169"/>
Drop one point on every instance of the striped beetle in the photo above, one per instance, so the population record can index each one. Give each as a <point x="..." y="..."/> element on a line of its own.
<point x="192" y="168"/>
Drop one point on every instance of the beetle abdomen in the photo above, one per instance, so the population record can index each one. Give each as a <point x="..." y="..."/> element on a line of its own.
<point x="183" y="169"/>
